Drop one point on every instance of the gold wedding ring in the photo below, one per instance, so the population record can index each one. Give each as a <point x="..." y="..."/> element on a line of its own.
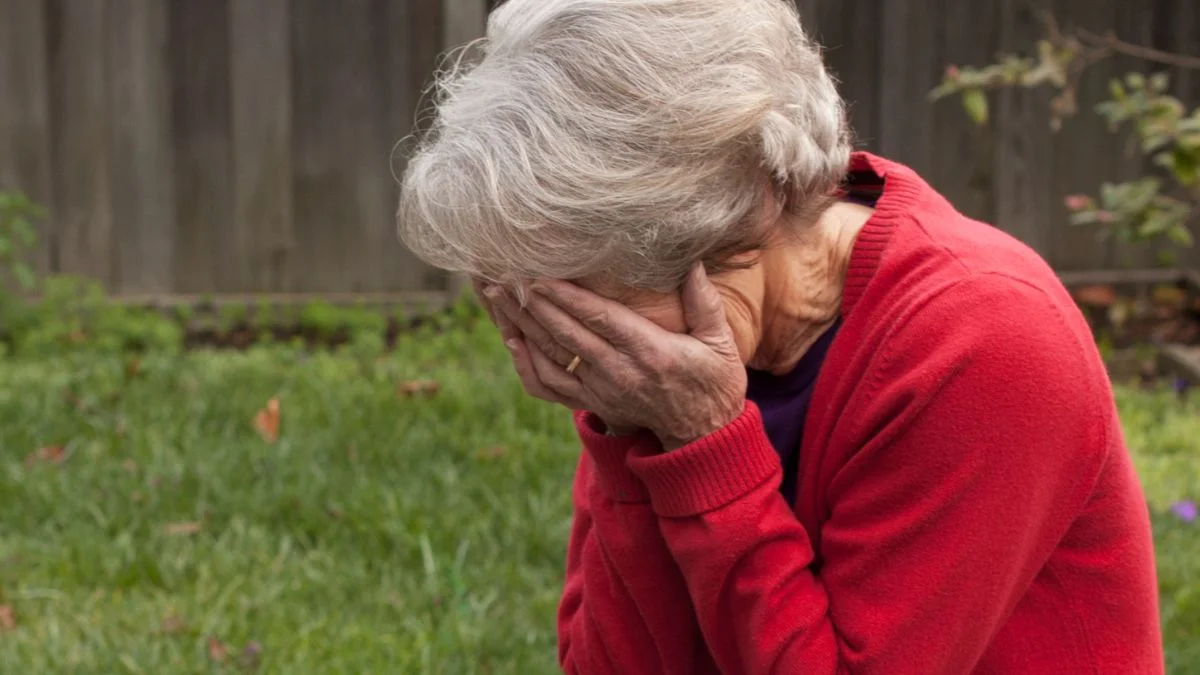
<point x="573" y="365"/>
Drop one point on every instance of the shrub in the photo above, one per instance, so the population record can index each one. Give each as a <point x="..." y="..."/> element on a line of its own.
<point x="1155" y="209"/>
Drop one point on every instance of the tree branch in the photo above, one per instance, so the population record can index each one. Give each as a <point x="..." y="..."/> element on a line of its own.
<point x="1110" y="41"/>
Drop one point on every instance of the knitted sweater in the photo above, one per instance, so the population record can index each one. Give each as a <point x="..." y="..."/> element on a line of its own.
<point x="965" y="501"/>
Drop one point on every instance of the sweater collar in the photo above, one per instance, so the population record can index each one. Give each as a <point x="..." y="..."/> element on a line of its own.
<point x="902" y="194"/>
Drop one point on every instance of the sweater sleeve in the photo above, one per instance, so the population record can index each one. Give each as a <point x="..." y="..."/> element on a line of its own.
<point x="975" y="443"/>
<point x="625" y="608"/>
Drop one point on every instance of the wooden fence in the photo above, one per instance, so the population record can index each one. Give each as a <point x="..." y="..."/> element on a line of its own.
<point x="1014" y="173"/>
<point x="220" y="146"/>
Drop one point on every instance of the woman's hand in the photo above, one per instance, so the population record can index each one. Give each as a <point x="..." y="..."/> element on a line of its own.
<point x="633" y="373"/>
<point x="499" y="306"/>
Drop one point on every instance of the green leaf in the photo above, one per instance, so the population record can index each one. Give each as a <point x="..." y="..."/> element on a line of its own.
<point x="1137" y="195"/>
<point x="1166" y="258"/>
<point x="1160" y="81"/>
<point x="1154" y="141"/>
<point x="1084" y="218"/>
<point x="1184" y="165"/>
<point x="26" y="233"/>
<point x="976" y="104"/>
<point x="24" y="276"/>
<point x="1110" y="196"/>
<point x="1118" y="91"/>
<point x="1156" y="224"/>
<point x="943" y="90"/>
<point x="1180" y="234"/>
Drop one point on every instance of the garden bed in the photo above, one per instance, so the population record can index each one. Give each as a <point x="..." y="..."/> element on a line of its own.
<point x="1146" y="322"/>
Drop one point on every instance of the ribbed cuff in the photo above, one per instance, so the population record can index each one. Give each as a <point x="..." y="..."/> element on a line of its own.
<point x="711" y="472"/>
<point x="609" y="455"/>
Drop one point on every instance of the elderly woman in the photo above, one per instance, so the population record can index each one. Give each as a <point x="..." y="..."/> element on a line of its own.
<point x="829" y="424"/>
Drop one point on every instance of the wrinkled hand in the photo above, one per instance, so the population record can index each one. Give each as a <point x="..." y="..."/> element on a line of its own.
<point x="634" y="374"/>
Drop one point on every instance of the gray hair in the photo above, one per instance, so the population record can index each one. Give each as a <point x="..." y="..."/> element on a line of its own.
<point x="623" y="139"/>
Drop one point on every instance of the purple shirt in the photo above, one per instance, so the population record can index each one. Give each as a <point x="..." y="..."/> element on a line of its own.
<point x="784" y="401"/>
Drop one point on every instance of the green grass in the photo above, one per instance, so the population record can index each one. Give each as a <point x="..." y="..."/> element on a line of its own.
<point x="380" y="534"/>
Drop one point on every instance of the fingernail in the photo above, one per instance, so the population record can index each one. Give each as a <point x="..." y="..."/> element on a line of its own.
<point x="512" y="345"/>
<point x="493" y="292"/>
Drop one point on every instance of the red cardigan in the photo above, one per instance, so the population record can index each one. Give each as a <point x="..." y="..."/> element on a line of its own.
<point x="966" y="502"/>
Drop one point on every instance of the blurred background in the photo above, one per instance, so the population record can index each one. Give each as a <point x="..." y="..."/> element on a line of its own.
<point x="243" y="430"/>
<point x="245" y="146"/>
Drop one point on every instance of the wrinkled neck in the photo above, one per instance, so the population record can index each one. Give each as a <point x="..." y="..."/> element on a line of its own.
<point x="802" y="282"/>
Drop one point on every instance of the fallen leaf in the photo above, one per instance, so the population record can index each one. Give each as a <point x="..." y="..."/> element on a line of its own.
<point x="8" y="618"/>
<point x="136" y="497"/>
<point x="217" y="651"/>
<point x="494" y="452"/>
<point x="183" y="529"/>
<point x="132" y="368"/>
<point x="251" y="657"/>
<point x="266" y="421"/>
<point x="1096" y="296"/>
<point x="173" y="624"/>
<point x="51" y="454"/>
<point x="129" y="465"/>
<point x="420" y="388"/>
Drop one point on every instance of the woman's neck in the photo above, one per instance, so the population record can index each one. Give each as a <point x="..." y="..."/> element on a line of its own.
<point x="802" y="283"/>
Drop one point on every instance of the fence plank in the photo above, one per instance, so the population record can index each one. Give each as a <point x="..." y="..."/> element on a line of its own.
<point x="1026" y="205"/>
<point x="961" y="157"/>
<point x="342" y="219"/>
<point x="850" y="35"/>
<point x="25" y="110"/>
<point x="82" y="206"/>
<point x="261" y="103"/>
<point x="140" y="127"/>
<point x="250" y="153"/>
<point x="206" y="255"/>
<point x="909" y="67"/>
<point x="1177" y="29"/>
<point x="413" y="52"/>
<point x="462" y="21"/>
<point x="1086" y="154"/>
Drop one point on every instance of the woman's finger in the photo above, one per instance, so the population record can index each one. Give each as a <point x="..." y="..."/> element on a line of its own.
<point x="528" y="327"/>
<point x="508" y="331"/>
<point x="527" y="372"/>
<point x="614" y="322"/>
<point x="556" y="378"/>
<point x="479" y="286"/>
<point x="703" y="308"/>
<point x="567" y="331"/>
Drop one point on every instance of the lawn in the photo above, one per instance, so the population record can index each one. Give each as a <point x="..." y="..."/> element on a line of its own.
<point x="146" y="526"/>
